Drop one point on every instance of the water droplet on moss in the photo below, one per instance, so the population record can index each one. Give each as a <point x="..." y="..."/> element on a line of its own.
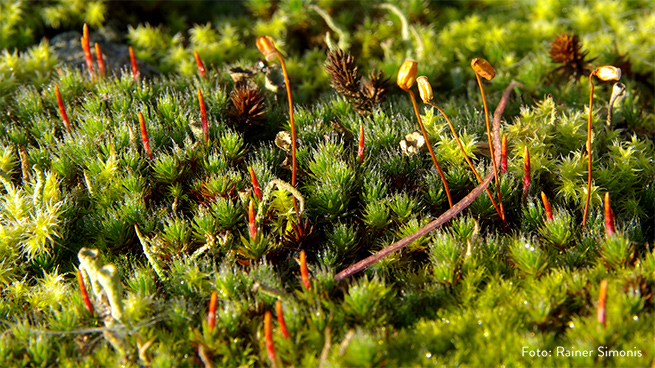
<point x="635" y="318"/>
<point x="571" y="325"/>
<point x="428" y="355"/>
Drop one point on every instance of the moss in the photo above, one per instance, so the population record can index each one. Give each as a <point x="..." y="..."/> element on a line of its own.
<point x="174" y="228"/>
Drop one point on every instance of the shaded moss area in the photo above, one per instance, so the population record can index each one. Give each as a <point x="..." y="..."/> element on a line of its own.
<point x="173" y="229"/>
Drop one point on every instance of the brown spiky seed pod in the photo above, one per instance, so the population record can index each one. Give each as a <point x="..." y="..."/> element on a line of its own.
<point x="346" y="80"/>
<point x="343" y="73"/>
<point x="248" y="106"/>
<point x="567" y="49"/>
<point x="376" y="87"/>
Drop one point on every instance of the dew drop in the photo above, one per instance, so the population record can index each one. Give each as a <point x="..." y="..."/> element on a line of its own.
<point x="571" y="325"/>
<point x="635" y="318"/>
<point x="428" y="355"/>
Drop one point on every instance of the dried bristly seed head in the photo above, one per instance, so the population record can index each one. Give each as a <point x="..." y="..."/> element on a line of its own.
<point x="266" y="46"/>
<point x="248" y="105"/>
<point x="407" y="74"/>
<point x="342" y="69"/>
<point x="607" y="73"/>
<point x="345" y="79"/>
<point x="566" y="49"/>
<point x="482" y="68"/>
<point x="376" y="87"/>
<point x="424" y="89"/>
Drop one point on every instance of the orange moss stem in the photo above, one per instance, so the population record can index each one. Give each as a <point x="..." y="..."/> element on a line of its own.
<point x="255" y="184"/>
<point x="427" y="143"/>
<point x="280" y="320"/>
<point x="468" y="160"/>
<point x="268" y="333"/>
<point x="144" y="135"/>
<point x="203" y="116"/>
<point x="62" y="109"/>
<point x="491" y="146"/>
<point x="135" y="67"/>
<point x="602" y="300"/>
<point x="360" y="149"/>
<point x="101" y="61"/>
<point x="87" y="50"/>
<point x="589" y="158"/>
<point x="85" y="294"/>
<point x="609" y="216"/>
<point x="304" y="271"/>
<point x="527" y="173"/>
<point x="211" y="315"/>
<point x="201" y="66"/>
<point x="547" y="208"/>
<point x="292" y="125"/>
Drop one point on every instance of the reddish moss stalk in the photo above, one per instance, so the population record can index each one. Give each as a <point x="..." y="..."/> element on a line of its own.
<point x="405" y="80"/>
<point x="268" y="333"/>
<point x="201" y="66"/>
<point x="203" y="116"/>
<point x="427" y="143"/>
<point x="135" y="67"/>
<point x="503" y="155"/>
<point x="549" y="211"/>
<point x="604" y="73"/>
<point x="87" y="49"/>
<point x="304" y="271"/>
<point x="101" y="62"/>
<point x="255" y="184"/>
<point x="267" y="47"/>
<point x="144" y="135"/>
<point x="252" y="226"/>
<point x="481" y="67"/>
<point x="466" y="158"/>
<point x="602" y="299"/>
<point x="211" y="316"/>
<point x="527" y="174"/>
<point x="85" y="294"/>
<point x="360" y="149"/>
<point x="280" y="320"/>
<point x="609" y="216"/>
<point x="62" y="109"/>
